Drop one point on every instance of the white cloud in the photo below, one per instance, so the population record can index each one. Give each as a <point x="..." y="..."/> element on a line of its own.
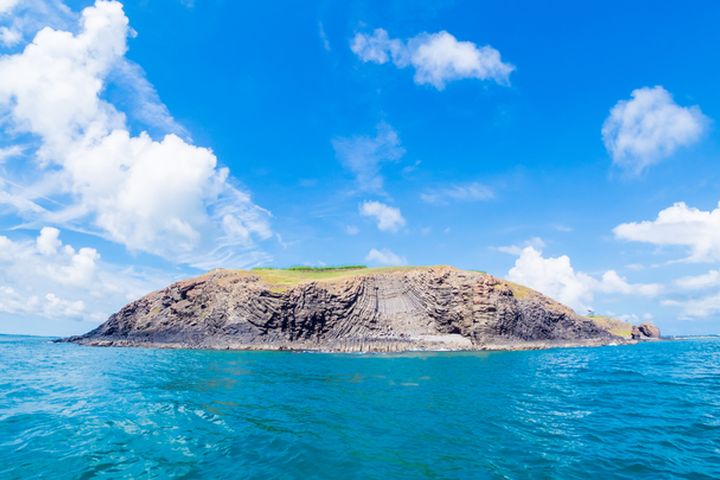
<point x="697" y="307"/>
<point x="385" y="257"/>
<point x="699" y="282"/>
<point x="22" y="19"/>
<point x="650" y="127"/>
<point x="48" y="242"/>
<point x="379" y="48"/>
<point x="141" y="97"/>
<point x="10" y="152"/>
<point x="556" y="278"/>
<point x="43" y="278"/>
<point x="47" y="306"/>
<point x="352" y="230"/>
<point x="563" y="228"/>
<point x="10" y="36"/>
<point x="363" y="155"/>
<point x="6" y="6"/>
<point x="633" y="318"/>
<point x="679" y="225"/>
<point x="58" y="307"/>
<point x="388" y="218"/>
<point x="167" y="196"/>
<point x="536" y="242"/>
<point x="612" y="282"/>
<point x="438" y="58"/>
<point x="466" y="192"/>
<point x="323" y="37"/>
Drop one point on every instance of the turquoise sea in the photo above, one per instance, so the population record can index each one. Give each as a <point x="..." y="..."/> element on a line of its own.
<point x="645" y="411"/>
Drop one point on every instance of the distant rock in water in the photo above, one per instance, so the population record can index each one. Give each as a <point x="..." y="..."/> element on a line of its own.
<point x="347" y="310"/>
<point x="645" y="331"/>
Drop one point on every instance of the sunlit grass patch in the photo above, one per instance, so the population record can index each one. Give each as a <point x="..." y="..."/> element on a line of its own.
<point x="613" y="325"/>
<point x="288" y="277"/>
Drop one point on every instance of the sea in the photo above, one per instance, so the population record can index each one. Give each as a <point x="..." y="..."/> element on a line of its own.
<point x="637" y="411"/>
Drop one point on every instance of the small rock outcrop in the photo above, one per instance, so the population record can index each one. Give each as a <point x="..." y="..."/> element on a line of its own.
<point x="368" y="310"/>
<point x="645" y="331"/>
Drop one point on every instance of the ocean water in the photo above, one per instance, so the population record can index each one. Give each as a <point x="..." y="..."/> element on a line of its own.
<point x="645" y="411"/>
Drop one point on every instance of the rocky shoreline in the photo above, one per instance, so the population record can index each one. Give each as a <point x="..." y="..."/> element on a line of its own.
<point x="364" y="310"/>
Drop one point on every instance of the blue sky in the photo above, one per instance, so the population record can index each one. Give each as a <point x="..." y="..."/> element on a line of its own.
<point x="567" y="146"/>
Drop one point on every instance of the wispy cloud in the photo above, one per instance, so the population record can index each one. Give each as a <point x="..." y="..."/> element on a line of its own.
<point x="700" y="282"/>
<point x="323" y="37"/>
<point x="535" y="242"/>
<point x="364" y="155"/>
<point x="462" y="192"/>
<point x="141" y="98"/>
<point x="563" y="228"/>
<point x="701" y="307"/>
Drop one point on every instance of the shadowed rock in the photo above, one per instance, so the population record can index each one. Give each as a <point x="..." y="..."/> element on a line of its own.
<point x="645" y="331"/>
<point x="368" y="310"/>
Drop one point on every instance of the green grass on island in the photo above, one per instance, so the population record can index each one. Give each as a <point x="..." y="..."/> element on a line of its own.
<point x="520" y="291"/>
<point x="613" y="325"/>
<point x="288" y="277"/>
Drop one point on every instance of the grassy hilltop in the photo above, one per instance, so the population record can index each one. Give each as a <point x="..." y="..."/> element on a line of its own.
<point x="613" y="325"/>
<point x="288" y="277"/>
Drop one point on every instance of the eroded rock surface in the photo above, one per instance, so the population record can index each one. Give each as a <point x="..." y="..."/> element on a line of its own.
<point x="645" y="331"/>
<point x="433" y="308"/>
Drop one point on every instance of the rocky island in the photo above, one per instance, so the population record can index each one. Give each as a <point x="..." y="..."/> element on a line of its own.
<point x="353" y="309"/>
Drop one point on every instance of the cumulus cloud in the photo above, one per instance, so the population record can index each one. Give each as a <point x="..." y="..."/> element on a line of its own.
<point x="438" y="58"/>
<point x="384" y="257"/>
<point x="45" y="278"/>
<point x="464" y="192"/>
<point x="364" y="155"/>
<point x="556" y="278"/>
<point x="679" y="225"/>
<point x="165" y="196"/>
<point x="48" y="241"/>
<point x="388" y="218"/>
<point x="649" y="127"/>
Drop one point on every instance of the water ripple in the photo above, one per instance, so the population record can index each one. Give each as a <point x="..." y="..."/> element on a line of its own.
<point x="646" y="411"/>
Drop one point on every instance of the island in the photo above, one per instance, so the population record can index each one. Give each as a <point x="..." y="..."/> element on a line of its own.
<point x="354" y="309"/>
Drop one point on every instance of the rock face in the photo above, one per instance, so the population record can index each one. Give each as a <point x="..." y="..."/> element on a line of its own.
<point x="645" y="331"/>
<point x="372" y="310"/>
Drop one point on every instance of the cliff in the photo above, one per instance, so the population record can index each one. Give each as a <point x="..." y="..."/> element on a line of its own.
<point x="348" y="310"/>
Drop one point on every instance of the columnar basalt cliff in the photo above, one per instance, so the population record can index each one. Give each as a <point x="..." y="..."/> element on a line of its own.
<point x="368" y="310"/>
